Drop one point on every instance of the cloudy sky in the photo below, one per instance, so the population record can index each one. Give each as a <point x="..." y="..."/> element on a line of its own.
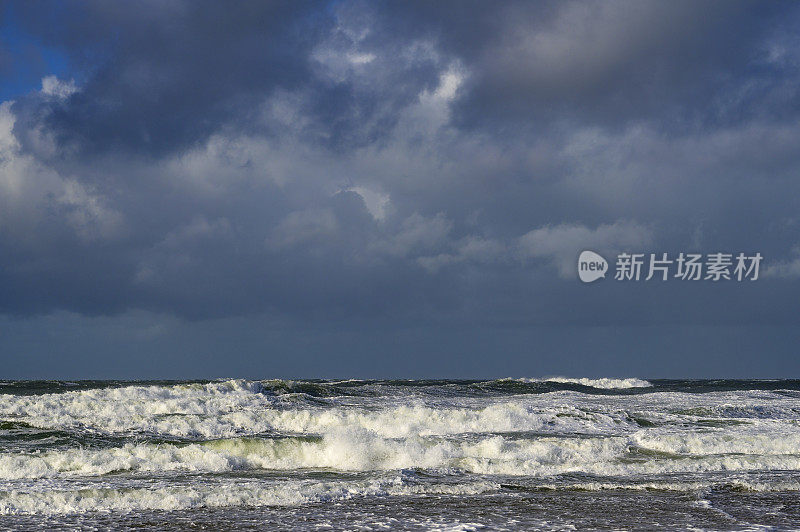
<point x="362" y="189"/>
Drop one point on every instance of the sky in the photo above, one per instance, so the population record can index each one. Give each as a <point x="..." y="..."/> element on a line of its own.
<point x="194" y="189"/>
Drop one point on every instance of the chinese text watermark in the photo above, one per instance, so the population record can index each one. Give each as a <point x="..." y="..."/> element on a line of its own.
<point x="662" y="266"/>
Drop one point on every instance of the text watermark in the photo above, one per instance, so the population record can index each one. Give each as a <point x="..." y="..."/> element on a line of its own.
<point x="714" y="267"/>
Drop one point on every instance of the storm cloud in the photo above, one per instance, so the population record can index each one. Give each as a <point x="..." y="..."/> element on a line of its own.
<point x="421" y="164"/>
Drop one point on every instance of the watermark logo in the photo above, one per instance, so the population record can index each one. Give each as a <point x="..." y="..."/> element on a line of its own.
<point x="662" y="267"/>
<point x="591" y="266"/>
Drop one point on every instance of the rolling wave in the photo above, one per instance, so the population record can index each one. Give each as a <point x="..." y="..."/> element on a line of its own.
<point x="168" y="446"/>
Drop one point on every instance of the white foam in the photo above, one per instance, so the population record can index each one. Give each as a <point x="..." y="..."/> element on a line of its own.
<point x="63" y="498"/>
<point x="742" y="484"/>
<point x="742" y="440"/>
<point x="625" y="438"/>
<point x="604" y="384"/>
<point x="238" y="408"/>
<point x="362" y="450"/>
<point x="225" y="493"/>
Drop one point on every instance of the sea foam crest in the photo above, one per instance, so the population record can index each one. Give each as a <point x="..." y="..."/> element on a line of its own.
<point x="642" y="453"/>
<point x="227" y="493"/>
<point x="234" y="409"/>
<point x="604" y="384"/>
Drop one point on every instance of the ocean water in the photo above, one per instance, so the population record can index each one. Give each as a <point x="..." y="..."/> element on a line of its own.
<point x="554" y="454"/>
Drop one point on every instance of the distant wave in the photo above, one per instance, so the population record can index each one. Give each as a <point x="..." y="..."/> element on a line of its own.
<point x="603" y="384"/>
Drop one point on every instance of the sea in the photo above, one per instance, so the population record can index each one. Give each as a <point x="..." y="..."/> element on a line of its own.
<point x="455" y="455"/>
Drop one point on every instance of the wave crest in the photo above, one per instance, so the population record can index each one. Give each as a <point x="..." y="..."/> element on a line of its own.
<point x="603" y="384"/>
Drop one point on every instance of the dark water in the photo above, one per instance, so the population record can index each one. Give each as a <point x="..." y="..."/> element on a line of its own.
<point x="393" y="455"/>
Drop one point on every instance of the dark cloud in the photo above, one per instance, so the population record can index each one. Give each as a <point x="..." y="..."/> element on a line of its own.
<point x="409" y="163"/>
<point x="160" y="76"/>
<point x="682" y="63"/>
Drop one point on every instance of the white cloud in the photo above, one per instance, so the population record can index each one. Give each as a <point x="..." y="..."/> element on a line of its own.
<point x="28" y="187"/>
<point x="473" y="249"/>
<point x="419" y="235"/>
<point x="87" y="212"/>
<point x="788" y="269"/>
<point x="52" y="86"/>
<point x="198" y="228"/>
<point x="562" y="243"/>
<point x="303" y="226"/>
<point x="432" y="111"/>
<point x="377" y="203"/>
<point x="360" y="58"/>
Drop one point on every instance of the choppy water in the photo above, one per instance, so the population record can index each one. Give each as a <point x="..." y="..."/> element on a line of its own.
<point x="555" y="454"/>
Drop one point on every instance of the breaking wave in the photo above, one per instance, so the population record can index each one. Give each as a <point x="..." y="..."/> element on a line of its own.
<point x="603" y="384"/>
<point x="220" y="495"/>
<point x="640" y="453"/>
<point x="171" y="446"/>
